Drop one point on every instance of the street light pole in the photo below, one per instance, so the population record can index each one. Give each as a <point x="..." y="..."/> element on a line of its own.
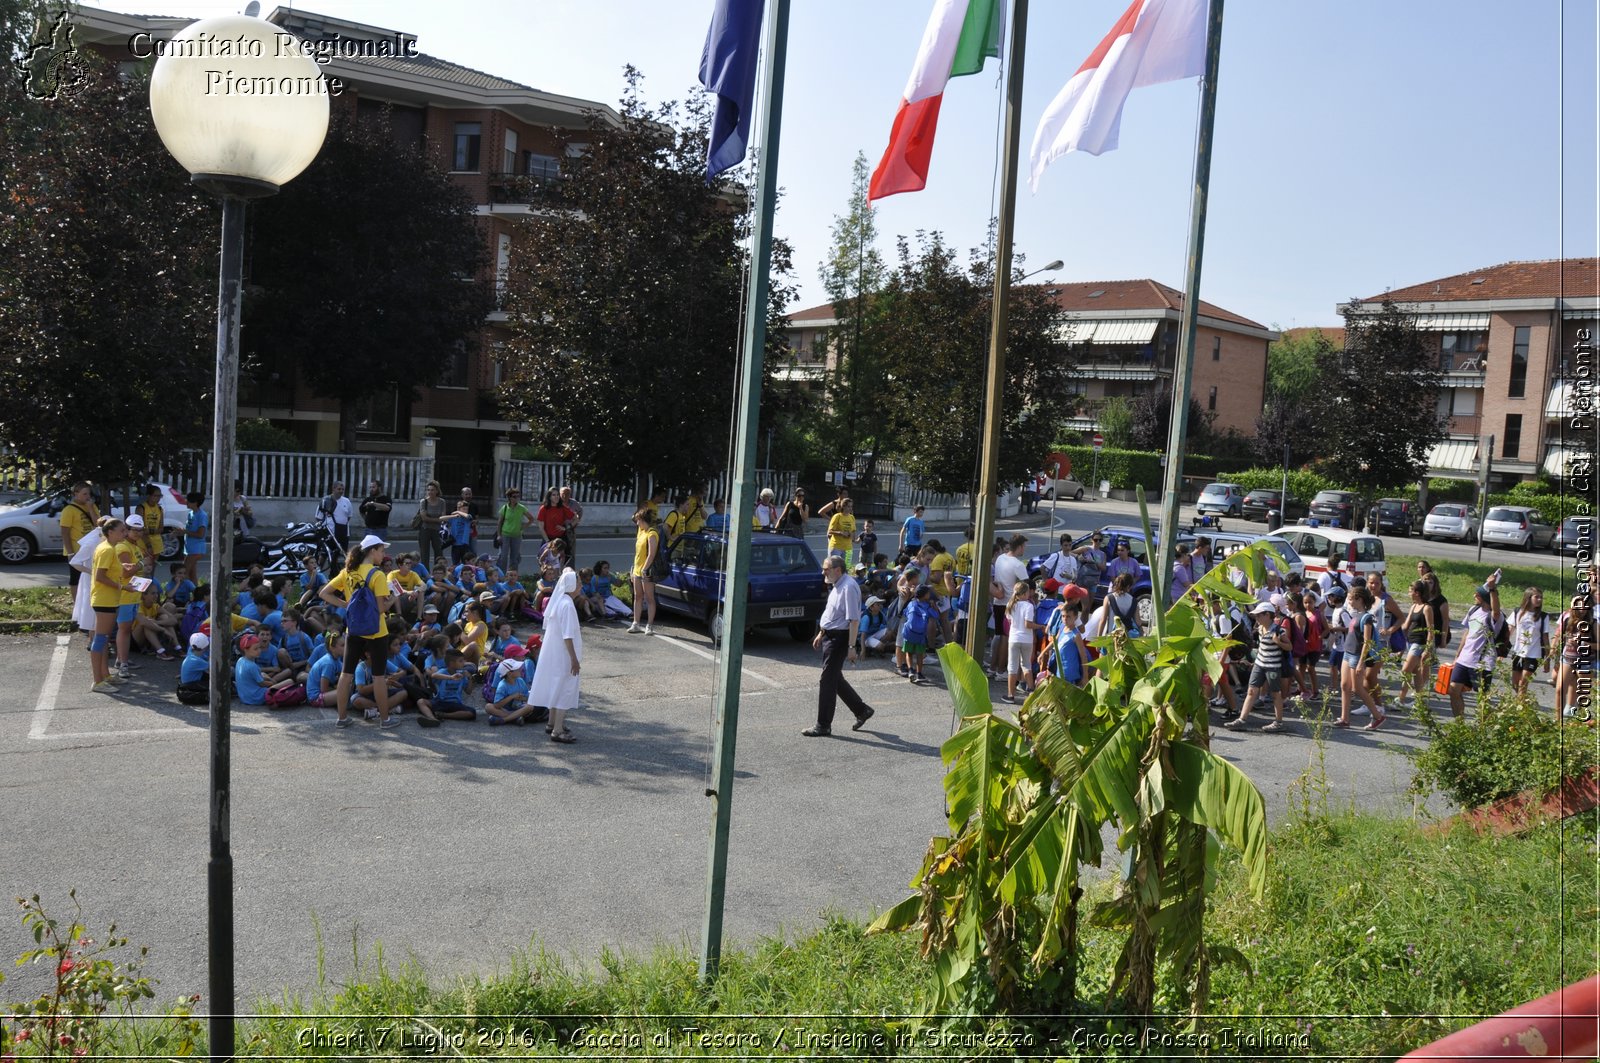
<point x="236" y="147"/>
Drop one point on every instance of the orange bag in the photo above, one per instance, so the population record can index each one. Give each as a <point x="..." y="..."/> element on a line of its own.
<point x="1441" y="682"/>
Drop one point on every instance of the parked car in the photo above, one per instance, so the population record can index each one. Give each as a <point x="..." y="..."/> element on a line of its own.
<point x="33" y="527"/>
<point x="1393" y="516"/>
<point x="1262" y="500"/>
<point x="1224" y="498"/>
<point x="1577" y="533"/>
<point x="1360" y="553"/>
<point x="1066" y="487"/>
<point x="1517" y="526"/>
<point x="1451" y="520"/>
<point x="1341" y="509"/>
<point x="786" y="584"/>
<point x="1225" y="543"/>
<point x="1138" y="548"/>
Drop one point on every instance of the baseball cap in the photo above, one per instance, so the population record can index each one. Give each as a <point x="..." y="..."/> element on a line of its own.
<point x="870" y="602"/>
<point x="1483" y="591"/>
<point x="1076" y="593"/>
<point x="134" y="521"/>
<point x="246" y="641"/>
<point x="1278" y="602"/>
<point x="1051" y="586"/>
<point x="434" y="609"/>
<point x="486" y="596"/>
<point x="372" y="540"/>
<point x="515" y="650"/>
<point x="199" y="641"/>
<point x="1336" y="594"/>
<point x="513" y="664"/>
<point x="1262" y="607"/>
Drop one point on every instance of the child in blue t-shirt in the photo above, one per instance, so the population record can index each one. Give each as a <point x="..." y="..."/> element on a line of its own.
<point x="510" y="704"/>
<point x="179" y="589"/>
<point x="867" y="540"/>
<point x="718" y="521"/>
<point x="920" y="616"/>
<point x="322" y="680"/>
<point x="365" y="699"/>
<point x="196" y="666"/>
<point x="195" y="535"/>
<point x="295" y="647"/>
<point x="451" y="679"/>
<point x="251" y="684"/>
<point x="1064" y="653"/>
<point x="425" y="628"/>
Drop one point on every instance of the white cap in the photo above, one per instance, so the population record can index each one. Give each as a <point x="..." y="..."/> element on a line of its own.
<point x="134" y="521"/>
<point x="199" y="641"/>
<point x="512" y="664"/>
<point x="1263" y="607"/>
<point x="372" y="540"/>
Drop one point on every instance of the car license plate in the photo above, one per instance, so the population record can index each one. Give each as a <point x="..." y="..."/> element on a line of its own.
<point x="786" y="612"/>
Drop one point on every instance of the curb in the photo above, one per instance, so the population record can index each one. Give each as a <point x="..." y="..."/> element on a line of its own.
<point x="23" y="627"/>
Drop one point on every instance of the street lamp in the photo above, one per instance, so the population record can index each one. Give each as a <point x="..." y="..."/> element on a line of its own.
<point x="243" y="107"/>
<point x="1057" y="264"/>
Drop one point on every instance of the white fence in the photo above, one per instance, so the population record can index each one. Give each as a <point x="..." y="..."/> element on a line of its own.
<point x="299" y="474"/>
<point x="534" y="478"/>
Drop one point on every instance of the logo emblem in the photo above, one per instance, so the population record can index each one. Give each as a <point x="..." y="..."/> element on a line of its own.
<point x="51" y="66"/>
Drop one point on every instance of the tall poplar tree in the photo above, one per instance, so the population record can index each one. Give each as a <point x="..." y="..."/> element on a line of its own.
<point x="853" y="275"/>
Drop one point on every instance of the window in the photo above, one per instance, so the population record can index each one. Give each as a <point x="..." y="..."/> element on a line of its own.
<point x="1513" y="441"/>
<point x="1519" y="363"/>
<point x="469" y="135"/>
<point x="1211" y="400"/>
<point x="1463" y="402"/>
<point x="379" y="413"/>
<point x="1216" y="350"/>
<point x="545" y="166"/>
<point x="457" y="364"/>
<point x="1457" y="350"/>
<point x="508" y="157"/>
<point x="1312" y="545"/>
<point x="1367" y="548"/>
<point x="502" y="266"/>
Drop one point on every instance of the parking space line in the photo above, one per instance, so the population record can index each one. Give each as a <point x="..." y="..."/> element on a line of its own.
<point x="46" y="705"/>
<point x="697" y="651"/>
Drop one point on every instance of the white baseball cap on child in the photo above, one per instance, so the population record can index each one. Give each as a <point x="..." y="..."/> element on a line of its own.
<point x="512" y="664"/>
<point x="199" y="641"/>
<point x="372" y="540"/>
<point x="134" y="521"/>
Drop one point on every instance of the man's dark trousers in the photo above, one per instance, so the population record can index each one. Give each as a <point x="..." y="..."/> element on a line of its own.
<point x="835" y="650"/>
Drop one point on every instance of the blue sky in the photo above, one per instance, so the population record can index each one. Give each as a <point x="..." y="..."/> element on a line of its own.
<point x="1360" y="144"/>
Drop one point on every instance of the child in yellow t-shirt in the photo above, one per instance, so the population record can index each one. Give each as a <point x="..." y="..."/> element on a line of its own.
<point x="842" y="531"/>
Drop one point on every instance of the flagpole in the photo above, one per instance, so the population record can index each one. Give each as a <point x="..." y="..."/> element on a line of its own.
<point x="994" y="388"/>
<point x="1188" y="319"/>
<point x="737" y="576"/>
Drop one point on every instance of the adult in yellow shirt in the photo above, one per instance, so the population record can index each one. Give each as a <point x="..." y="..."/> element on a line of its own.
<point x="842" y="531"/>
<point x="646" y="544"/>
<point x="964" y="554"/>
<point x="942" y="578"/>
<point x="108" y="577"/>
<point x="697" y="510"/>
<point x="155" y="520"/>
<point x="131" y="555"/>
<point x="78" y="518"/>
<point x="363" y="567"/>
<point x="678" y="520"/>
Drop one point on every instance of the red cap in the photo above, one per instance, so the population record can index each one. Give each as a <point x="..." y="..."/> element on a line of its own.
<point x="1051" y="586"/>
<point x="246" y="641"/>
<point x="516" y="650"/>
<point x="1075" y="593"/>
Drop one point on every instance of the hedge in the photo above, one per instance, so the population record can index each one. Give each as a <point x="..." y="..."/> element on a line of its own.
<point x="1555" y="508"/>
<point x="1127" y="469"/>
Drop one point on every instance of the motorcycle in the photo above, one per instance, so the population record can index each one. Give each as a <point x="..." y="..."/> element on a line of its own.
<point x="287" y="555"/>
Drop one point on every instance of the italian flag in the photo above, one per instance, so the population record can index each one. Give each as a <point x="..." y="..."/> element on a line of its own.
<point x="961" y="34"/>
<point x="1153" y="42"/>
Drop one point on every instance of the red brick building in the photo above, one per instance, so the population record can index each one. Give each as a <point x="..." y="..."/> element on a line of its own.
<point x="494" y="137"/>
<point x="1505" y="339"/>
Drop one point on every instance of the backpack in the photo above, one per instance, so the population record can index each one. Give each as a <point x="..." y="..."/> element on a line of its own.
<point x="287" y="697"/>
<point x="1397" y="637"/>
<point x="193" y="617"/>
<point x="660" y="568"/>
<point x="1502" y="637"/>
<point x="196" y="693"/>
<point x="361" y="617"/>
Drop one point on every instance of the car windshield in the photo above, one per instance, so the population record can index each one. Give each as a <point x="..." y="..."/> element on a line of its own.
<point x="1449" y="511"/>
<point x="783" y="557"/>
<point x="1330" y="496"/>
<point x="1505" y="514"/>
<point x="1574" y="524"/>
<point x="1262" y="495"/>
<point x="1391" y="507"/>
<point x="1289" y="553"/>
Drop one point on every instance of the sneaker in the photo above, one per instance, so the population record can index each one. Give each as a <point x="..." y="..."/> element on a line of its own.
<point x="392" y="721"/>
<point x="123" y="671"/>
<point x="922" y="679"/>
<point x="1361" y="710"/>
<point x="1570" y="711"/>
<point x="371" y="714"/>
<point x="115" y="679"/>
<point x="164" y="654"/>
<point x="911" y="678"/>
<point x="105" y="686"/>
<point x="1217" y="702"/>
<point x="647" y="630"/>
<point x="344" y="721"/>
<point x="902" y="671"/>
<point x="634" y="628"/>
<point x="1008" y="699"/>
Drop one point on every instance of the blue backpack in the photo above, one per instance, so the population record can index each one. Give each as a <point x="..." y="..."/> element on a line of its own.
<point x="361" y="617"/>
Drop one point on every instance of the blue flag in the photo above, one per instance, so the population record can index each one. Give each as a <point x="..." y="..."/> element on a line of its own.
<point x="728" y="68"/>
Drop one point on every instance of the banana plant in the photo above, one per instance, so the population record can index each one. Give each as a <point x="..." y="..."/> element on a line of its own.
<point x="997" y="899"/>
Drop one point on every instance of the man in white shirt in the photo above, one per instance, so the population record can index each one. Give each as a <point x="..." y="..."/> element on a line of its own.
<point x="836" y="638"/>
<point x="336" y="510"/>
<point x="1009" y="567"/>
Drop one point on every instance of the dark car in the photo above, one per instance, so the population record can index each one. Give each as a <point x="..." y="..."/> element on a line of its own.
<point x="786" y="584"/>
<point x="1392" y="516"/>
<point x="1576" y="533"/>
<point x="1340" y="509"/>
<point x="1264" y="499"/>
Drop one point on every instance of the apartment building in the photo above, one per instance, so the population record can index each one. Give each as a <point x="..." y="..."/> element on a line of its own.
<point x="1505" y="339"/>
<point x="494" y="137"/>
<point x="1122" y="338"/>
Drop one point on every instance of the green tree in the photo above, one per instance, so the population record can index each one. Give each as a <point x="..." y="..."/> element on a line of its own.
<point x="1290" y="413"/>
<point x="1378" y="415"/>
<point x="1116" y="422"/>
<point x="852" y="275"/>
<point x="625" y="302"/>
<point x="1293" y="364"/>
<point x="107" y="280"/>
<point x="365" y="271"/>
<point x="935" y="348"/>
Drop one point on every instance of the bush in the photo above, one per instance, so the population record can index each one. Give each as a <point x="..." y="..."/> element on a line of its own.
<point x="258" y="433"/>
<point x="1127" y="469"/>
<point x="1508" y="747"/>
<point x="1442" y="490"/>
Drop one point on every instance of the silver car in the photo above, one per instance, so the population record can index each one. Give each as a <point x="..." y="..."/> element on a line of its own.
<point x="1451" y="520"/>
<point x="1518" y="526"/>
<point x="1225" y="499"/>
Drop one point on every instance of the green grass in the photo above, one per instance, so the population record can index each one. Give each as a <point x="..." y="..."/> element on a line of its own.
<point x="36" y="603"/>
<point x="1460" y="580"/>
<point x="1373" y="939"/>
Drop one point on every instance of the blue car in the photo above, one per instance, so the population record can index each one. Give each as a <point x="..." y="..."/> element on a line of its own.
<point x="786" y="584"/>
<point x="1134" y="537"/>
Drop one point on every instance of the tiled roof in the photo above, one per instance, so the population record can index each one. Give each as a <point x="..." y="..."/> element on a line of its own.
<point x="1334" y="334"/>
<point x="1082" y="298"/>
<point x="1544" y="279"/>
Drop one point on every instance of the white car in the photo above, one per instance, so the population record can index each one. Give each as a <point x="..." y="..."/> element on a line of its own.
<point x="1221" y="498"/>
<point x="34" y="526"/>
<point x="1451" y="520"/>
<point x="1359" y="553"/>
<point x="1517" y="526"/>
<point x="1066" y="487"/>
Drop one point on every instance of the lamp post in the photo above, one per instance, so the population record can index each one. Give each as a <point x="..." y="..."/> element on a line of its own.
<point x="243" y="107"/>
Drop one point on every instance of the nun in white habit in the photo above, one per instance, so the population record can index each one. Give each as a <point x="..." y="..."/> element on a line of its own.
<point x="555" y="681"/>
<point x="83" y="561"/>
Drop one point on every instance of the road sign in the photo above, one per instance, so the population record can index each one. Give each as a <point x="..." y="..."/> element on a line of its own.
<point x="1098" y="440"/>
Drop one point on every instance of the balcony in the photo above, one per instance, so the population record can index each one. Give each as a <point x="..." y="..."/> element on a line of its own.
<point x="1466" y="426"/>
<point x="1102" y="367"/>
<point x="523" y="189"/>
<point x="1463" y="369"/>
